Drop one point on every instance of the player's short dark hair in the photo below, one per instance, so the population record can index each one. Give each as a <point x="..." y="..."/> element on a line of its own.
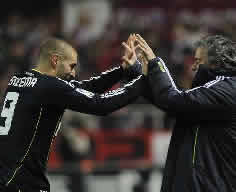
<point x="221" y="51"/>
<point x="52" y="46"/>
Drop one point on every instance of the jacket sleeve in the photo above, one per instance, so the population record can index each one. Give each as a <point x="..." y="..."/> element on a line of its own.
<point x="103" y="82"/>
<point x="212" y="101"/>
<point x="146" y="93"/>
<point x="69" y="97"/>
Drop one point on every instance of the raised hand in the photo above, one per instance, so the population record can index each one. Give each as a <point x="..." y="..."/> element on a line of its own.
<point x="130" y="56"/>
<point x="143" y="60"/>
<point x="145" y="47"/>
<point x="127" y="51"/>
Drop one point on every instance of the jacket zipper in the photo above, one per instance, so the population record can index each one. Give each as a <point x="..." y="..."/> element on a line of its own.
<point x="194" y="147"/>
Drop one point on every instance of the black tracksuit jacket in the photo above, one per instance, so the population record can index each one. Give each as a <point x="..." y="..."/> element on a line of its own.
<point x="202" y="151"/>
<point x="31" y="114"/>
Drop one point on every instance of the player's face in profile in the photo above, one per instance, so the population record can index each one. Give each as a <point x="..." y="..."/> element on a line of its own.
<point x="200" y="57"/>
<point x="66" y="69"/>
<point x="205" y="72"/>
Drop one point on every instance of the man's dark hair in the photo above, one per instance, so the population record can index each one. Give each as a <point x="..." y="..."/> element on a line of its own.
<point x="221" y="51"/>
<point x="54" y="46"/>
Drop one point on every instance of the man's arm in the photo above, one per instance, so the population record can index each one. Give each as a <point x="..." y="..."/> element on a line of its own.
<point x="61" y="93"/>
<point x="67" y="96"/>
<point x="212" y="101"/>
<point x="103" y="82"/>
<point x="127" y="71"/>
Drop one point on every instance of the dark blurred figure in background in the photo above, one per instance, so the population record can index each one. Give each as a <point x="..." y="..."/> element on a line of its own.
<point x="76" y="146"/>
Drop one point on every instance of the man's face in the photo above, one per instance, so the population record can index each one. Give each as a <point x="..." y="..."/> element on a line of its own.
<point x="204" y="73"/>
<point x="66" y="67"/>
<point x="200" y="57"/>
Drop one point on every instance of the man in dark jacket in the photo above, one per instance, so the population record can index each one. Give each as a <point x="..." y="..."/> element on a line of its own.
<point x="202" y="153"/>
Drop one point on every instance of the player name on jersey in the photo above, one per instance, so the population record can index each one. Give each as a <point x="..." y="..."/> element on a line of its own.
<point x="23" y="82"/>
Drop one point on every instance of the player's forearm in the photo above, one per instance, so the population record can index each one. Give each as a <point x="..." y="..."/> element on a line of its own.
<point x="114" y="100"/>
<point x="102" y="104"/>
<point x="102" y="82"/>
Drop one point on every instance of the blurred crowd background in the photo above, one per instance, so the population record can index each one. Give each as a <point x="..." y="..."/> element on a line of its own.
<point x="133" y="140"/>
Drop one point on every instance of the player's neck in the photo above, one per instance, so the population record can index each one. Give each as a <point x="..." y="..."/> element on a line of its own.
<point x="185" y="83"/>
<point x="44" y="71"/>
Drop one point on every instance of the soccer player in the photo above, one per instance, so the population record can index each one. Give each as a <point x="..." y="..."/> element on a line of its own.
<point x="202" y="153"/>
<point x="34" y="103"/>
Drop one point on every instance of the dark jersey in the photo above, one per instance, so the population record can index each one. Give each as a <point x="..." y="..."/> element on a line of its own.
<point x="31" y="114"/>
<point x="202" y="153"/>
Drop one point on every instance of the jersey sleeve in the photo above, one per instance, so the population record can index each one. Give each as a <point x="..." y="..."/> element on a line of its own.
<point x="212" y="101"/>
<point x="102" y="82"/>
<point x="107" y="79"/>
<point x="66" y="95"/>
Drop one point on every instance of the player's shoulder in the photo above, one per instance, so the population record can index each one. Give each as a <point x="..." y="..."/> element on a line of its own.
<point x="54" y="84"/>
<point x="23" y="80"/>
<point x="38" y="80"/>
<point x="44" y="79"/>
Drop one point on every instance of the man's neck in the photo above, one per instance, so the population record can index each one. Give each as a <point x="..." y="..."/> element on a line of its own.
<point x="44" y="71"/>
<point x="185" y="83"/>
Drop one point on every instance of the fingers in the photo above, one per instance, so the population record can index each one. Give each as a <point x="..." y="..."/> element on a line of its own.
<point x="145" y="47"/>
<point x="130" y="50"/>
<point x="142" y="43"/>
<point x="142" y="58"/>
<point x="137" y="47"/>
<point x="141" y="39"/>
<point x="127" y="47"/>
<point x="131" y="36"/>
<point x="129" y="40"/>
<point x="125" y="59"/>
<point x="132" y="42"/>
<point x="142" y="47"/>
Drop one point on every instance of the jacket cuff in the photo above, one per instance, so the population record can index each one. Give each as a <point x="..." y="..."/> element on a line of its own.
<point x="156" y="65"/>
<point x="133" y="71"/>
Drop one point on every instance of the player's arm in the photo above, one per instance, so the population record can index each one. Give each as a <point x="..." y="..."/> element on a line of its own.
<point x="68" y="96"/>
<point x="63" y="94"/>
<point x="126" y="72"/>
<point x="107" y="79"/>
<point x="211" y="101"/>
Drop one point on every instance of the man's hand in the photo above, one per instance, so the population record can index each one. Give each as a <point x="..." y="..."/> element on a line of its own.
<point x="147" y="51"/>
<point x="143" y="60"/>
<point x="127" y="52"/>
<point x="130" y="56"/>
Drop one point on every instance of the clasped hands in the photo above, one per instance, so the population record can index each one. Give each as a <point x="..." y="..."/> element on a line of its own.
<point x="136" y="48"/>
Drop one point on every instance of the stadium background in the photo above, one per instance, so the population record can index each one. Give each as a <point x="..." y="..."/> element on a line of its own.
<point x="126" y="150"/>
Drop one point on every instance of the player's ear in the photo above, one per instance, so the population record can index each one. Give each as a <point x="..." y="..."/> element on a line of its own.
<point x="54" y="61"/>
